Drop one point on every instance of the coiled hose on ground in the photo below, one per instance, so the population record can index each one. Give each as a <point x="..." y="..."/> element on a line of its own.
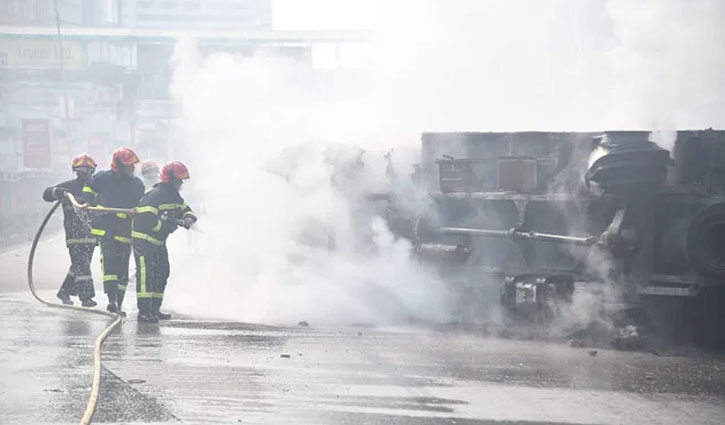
<point x="95" y="388"/>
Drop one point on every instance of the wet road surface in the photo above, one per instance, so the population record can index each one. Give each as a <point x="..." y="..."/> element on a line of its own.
<point x="196" y="371"/>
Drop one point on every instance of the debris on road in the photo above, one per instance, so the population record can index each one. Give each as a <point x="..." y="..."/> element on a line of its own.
<point x="576" y="343"/>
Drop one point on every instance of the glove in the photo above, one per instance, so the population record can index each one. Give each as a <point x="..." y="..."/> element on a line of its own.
<point x="188" y="222"/>
<point x="167" y="222"/>
<point x="59" y="192"/>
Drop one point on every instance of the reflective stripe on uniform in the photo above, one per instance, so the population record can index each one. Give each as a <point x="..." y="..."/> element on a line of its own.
<point x="88" y="189"/>
<point x="98" y="232"/>
<point x="189" y="214"/>
<point x="77" y="241"/>
<point x="157" y="227"/>
<point x="122" y="239"/>
<point x="157" y="295"/>
<point x="121" y="287"/>
<point x="142" y="284"/>
<point x="144" y="236"/>
<point x="71" y="274"/>
<point x="83" y="278"/>
<point x="147" y="209"/>
<point x="170" y="206"/>
<point x="109" y="277"/>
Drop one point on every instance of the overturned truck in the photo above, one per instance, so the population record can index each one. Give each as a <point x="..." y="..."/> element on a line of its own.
<point x="546" y="214"/>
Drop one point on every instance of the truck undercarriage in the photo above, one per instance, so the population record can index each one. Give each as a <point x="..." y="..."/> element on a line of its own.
<point x="546" y="216"/>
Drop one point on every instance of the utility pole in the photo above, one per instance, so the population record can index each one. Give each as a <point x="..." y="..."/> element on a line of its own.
<point x="61" y="59"/>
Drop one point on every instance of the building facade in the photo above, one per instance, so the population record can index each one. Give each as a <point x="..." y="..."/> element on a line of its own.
<point x="104" y="82"/>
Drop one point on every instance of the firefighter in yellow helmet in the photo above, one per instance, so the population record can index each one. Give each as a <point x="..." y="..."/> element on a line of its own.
<point x="78" y="281"/>
<point x="158" y="215"/>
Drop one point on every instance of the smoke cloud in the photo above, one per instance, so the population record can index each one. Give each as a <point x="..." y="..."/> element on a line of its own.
<point x="287" y="233"/>
<point x="281" y="159"/>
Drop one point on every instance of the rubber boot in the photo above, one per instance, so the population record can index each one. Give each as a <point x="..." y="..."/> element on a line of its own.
<point x="67" y="289"/>
<point x="86" y="293"/>
<point x="119" y="302"/>
<point x="64" y="297"/>
<point x="88" y="302"/>
<point x="147" y="317"/>
<point x="155" y="306"/>
<point x="112" y="306"/>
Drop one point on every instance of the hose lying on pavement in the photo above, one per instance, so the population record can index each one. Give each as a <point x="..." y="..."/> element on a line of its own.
<point x="95" y="388"/>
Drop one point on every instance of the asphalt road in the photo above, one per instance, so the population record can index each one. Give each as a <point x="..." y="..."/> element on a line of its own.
<point x="190" y="370"/>
<point x="195" y="371"/>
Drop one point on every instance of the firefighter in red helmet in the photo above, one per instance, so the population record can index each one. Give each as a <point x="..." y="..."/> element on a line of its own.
<point x="115" y="188"/>
<point x="78" y="281"/>
<point x="150" y="173"/>
<point x="160" y="212"/>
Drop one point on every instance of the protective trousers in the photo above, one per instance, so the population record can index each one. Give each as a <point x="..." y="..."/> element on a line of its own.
<point x="79" y="280"/>
<point x="115" y="256"/>
<point x="152" y="273"/>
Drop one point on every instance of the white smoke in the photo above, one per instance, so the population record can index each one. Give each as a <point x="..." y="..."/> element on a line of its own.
<point x="556" y="65"/>
<point x="287" y="233"/>
<point x="433" y="65"/>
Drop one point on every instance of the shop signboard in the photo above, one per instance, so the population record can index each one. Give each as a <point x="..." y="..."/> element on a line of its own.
<point x="41" y="54"/>
<point x="36" y="143"/>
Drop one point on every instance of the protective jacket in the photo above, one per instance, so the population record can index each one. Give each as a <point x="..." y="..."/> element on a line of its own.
<point x="113" y="189"/>
<point x="156" y="217"/>
<point x="75" y="222"/>
<point x="158" y="212"/>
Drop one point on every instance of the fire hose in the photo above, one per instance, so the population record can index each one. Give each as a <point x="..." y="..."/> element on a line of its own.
<point x="95" y="388"/>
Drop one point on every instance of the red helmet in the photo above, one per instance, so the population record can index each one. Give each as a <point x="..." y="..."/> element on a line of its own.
<point x="149" y="167"/>
<point x="174" y="170"/>
<point x="84" y="160"/>
<point x="123" y="156"/>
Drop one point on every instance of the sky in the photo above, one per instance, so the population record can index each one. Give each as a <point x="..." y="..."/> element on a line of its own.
<point x="323" y="14"/>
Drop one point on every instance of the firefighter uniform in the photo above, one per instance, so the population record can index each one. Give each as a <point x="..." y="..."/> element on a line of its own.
<point x="78" y="281"/>
<point x="156" y="217"/>
<point x="115" y="190"/>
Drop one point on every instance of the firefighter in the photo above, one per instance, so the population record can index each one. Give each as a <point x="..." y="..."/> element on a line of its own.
<point x="158" y="215"/>
<point x="116" y="188"/>
<point x="150" y="173"/>
<point x="78" y="281"/>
